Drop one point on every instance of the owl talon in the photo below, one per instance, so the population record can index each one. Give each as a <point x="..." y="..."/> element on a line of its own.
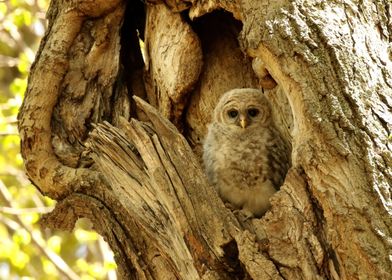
<point x="243" y="215"/>
<point x="247" y="214"/>
<point x="230" y="206"/>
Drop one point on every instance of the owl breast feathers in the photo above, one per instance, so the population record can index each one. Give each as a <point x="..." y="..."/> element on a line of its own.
<point x="244" y="154"/>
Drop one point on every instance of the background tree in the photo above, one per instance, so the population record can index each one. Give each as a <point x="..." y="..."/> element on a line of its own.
<point x="117" y="160"/>
<point x="25" y="249"/>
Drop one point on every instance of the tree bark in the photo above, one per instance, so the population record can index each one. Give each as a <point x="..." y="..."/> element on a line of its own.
<point x="132" y="165"/>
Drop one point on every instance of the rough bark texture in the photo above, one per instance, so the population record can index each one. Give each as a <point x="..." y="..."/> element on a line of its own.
<point x="326" y="68"/>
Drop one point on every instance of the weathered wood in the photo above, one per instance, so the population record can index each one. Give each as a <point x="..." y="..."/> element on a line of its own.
<point x="329" y="132"/>
<point x="162" y="187"/>
<point x="173" y="60"/>
<point x="51" y="162"/>
<point x="332" y="66"/>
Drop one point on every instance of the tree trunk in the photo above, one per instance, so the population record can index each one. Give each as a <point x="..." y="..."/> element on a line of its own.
<point x="132" y="165"/>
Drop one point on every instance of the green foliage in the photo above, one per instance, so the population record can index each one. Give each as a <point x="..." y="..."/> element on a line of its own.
<point x="26" y="250"/>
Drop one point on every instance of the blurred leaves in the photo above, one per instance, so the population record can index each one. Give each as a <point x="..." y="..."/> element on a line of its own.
<point x="26" y="250"/>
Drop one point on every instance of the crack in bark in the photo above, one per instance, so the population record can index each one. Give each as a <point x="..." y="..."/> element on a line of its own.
<point x="341" y="90"/>
<point x="321" y="234"/>
<point x="232" y="261"/>
<point x="382" y="121"/>
<point x="277" y="265"/>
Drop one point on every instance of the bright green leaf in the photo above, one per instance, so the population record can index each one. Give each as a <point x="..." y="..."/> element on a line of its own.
<point x="110" y="265"/>
<point x="3" y="232"/>
<point x="20" y="259"/>
<point x="24" y="63"/>
<point x="96" y="270"/>
<point x="21" y="17"/>
<point x="49" y="267"/>
<point x="82" y="265"/>
<point x="3" y="10"/>
<point x="48" y="201"/>
<point x="22" y="237"/>
<point x="18" y="86"/>
<point x="54" y="243"/>
<point x="87" y="277"/>
<point x="8" y="248"/>
<point x="43" y="4"/>
<point x="85" y="235"/>
<point x="30" y="218"/>
<point x="17" y="3"/>
<point x="19" y="160"/>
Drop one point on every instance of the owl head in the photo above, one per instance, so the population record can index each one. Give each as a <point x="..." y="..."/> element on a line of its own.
<point x="243" y="109"/>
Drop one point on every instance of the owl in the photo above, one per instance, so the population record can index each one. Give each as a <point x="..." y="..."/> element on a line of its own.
<point x="244" y="154"/>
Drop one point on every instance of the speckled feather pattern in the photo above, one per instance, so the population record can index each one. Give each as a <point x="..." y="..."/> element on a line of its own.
<point x="246" y="165"/>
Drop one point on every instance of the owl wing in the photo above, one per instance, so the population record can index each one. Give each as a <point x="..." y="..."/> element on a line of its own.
<point x="279" y="158"/>
<point x="209" y="153"/>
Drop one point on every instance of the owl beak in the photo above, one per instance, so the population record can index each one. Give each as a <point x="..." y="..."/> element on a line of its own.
<point x="243" y="122"/>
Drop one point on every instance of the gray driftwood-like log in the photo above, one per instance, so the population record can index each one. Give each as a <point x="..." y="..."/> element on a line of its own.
<point x="326" y="67"/>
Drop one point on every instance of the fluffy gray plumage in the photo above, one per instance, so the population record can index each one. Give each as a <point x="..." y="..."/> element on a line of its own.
<point x="244" y="154"/>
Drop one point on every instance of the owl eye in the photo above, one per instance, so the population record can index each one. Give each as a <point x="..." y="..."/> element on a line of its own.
<point x="253" y="112"/>
<point x="232" y="113"/>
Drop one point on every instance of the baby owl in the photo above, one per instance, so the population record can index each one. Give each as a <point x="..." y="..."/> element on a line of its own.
<point x="245" y="157"/>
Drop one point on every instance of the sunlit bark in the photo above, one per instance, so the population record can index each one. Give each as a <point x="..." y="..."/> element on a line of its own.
<point x="133" y="167"/>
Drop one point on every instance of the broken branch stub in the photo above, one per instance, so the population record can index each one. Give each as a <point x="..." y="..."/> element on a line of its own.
<point x="158" y="182"/>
